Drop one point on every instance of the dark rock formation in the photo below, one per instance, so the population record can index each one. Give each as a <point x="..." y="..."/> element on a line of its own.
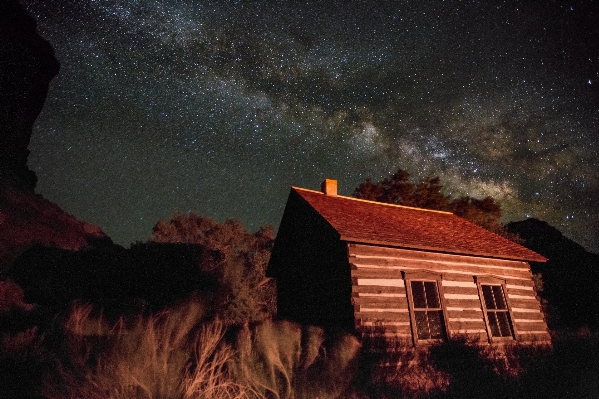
<point x="27" y="219"/>
<point x="545" y="239"/>
<point x="27" y="65"/>
<point x="570" y="276"/>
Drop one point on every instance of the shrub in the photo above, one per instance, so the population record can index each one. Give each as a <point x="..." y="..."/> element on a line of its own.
<point x="12" y="298"/>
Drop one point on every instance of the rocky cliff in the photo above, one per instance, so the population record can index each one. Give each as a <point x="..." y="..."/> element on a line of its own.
<point x="27" y="65"/>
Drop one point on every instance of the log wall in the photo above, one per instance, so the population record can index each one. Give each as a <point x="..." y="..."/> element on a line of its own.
<point x="379" y="293"/>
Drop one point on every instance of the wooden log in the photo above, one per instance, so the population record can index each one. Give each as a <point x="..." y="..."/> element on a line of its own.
<point x="378" y="289"/>
<point x="522" y="296"/>
<point x="390" y="296"/>
<point x="460" y="290"/>
<point x="520" y="288"/>
<point x="381" y="282"/>
<point x="523" y="284"/>
<point x="384" y="303"/>
<point x="528" y="316"/>
<point x="524" y="304"/>
<point x="457" y="278"/>
<point x="462" y="303"/>
<point x="375" y="273"/>
<point x="454" y="268"/>
<point x="460" y="296"/>
<point x="477" y="325"/>
<point x="387" y="327"/>
<point x="458" y="284"/>
<point x="521" y="311"/>
<point x="382" y="315"/>
<point x="468" y="314"/>
<point x="383" y="252"/>
<point x="435" y="258"/>
<point x="525" y="327"/>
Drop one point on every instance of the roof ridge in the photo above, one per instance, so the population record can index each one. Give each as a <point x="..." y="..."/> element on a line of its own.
<point x="376" y="202"/>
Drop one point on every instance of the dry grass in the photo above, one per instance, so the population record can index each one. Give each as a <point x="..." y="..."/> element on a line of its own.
<point x="174" y="354"/>
<point x="168" y="355"/>
<point x="285" y="361"/>
<point x="208" y="375"/>
<point x="177" y="355"/>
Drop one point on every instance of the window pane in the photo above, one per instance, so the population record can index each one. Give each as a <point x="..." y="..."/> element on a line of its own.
<point x="488" y="295"/>
<point x="435" y="323"/>
<point x="504" y="324"/>
<point x="432" y="296"/>
<point x="493" y="324"/>
<point x="498" y="294"/>
<point x="418" y="294"/>
<point x="429" y="323"/>
<point x="422" y="325"/>
<point x="499" y="318"/>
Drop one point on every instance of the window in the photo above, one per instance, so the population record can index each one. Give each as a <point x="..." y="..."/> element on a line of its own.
<point x="498" y="315"/>
<point x="426" y="308"/>
<point x="428" y="313"/>
<point x="491" y="291"/>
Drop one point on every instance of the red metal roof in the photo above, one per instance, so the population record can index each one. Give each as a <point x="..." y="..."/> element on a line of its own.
<point x="373" y="222"/>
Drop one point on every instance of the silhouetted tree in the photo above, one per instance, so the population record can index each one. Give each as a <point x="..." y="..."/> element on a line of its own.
<point x="396" y="189"/>
<point x="428" y="193"/>
<point x="235" y="256"/>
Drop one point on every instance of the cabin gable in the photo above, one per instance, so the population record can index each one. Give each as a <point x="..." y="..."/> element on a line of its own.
<point x="311" y="268"/>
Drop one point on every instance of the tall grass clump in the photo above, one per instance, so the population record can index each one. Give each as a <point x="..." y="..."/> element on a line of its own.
<point x="283" y="360"/>
<point x="178" y="354"/>
<point x="172" y="354"/>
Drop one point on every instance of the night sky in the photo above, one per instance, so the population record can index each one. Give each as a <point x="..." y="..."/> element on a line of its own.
<point x="218" y="107"/>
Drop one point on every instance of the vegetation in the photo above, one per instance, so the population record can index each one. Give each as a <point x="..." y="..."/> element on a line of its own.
<point x="428" y="193"/>
<point x="176" y="354"/>
<point x="222" y="263"/>
<point x="236" y="257"/>
<point x="221" y="341"/>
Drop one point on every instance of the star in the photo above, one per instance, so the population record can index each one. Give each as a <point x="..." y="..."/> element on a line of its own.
<point x="219" y="107"/>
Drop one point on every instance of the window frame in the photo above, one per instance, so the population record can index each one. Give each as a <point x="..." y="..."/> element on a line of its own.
<point x="495" y="281"/>
<point x="425" y="276"/>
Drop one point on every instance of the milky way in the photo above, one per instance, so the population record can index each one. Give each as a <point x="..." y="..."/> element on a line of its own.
<point x="219" y="107"/>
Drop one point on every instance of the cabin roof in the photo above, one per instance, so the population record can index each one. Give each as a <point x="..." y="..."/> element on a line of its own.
<point x="371" y="222"/>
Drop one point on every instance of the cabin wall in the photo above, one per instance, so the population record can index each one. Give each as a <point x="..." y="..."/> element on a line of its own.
<point x="310" y="266"/>
<point x="379" y="292"/>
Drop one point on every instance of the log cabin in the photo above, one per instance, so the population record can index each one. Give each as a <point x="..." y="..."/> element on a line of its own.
<point x="418" y="275"/>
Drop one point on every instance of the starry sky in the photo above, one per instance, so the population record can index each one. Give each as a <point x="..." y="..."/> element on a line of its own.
<point x="218" y="107"/>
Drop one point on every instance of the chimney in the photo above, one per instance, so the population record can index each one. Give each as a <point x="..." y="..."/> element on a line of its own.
<point x="329" y="187"/>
